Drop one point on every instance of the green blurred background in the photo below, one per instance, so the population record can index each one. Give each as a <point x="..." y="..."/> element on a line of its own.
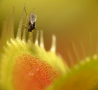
<point x="67" y="19"/>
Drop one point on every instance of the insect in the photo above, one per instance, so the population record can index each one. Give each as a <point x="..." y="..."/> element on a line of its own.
<point x="32" y="21"/>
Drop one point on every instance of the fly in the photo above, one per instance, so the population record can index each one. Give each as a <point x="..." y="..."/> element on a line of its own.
<point x="32" y="21"/>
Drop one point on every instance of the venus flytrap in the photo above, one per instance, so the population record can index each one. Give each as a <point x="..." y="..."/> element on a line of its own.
<point x="27" y="65"/>
<point x="83" y="75"/>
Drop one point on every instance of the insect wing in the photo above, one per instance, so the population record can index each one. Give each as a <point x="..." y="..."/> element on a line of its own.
<point x="32" y="18"/>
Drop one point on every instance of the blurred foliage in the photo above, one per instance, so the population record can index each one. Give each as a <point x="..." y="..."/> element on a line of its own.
<point x="67" y="19"/>
<point x="53" y="14"/>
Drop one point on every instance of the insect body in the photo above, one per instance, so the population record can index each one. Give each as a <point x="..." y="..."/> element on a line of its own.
<point x="31" y="26"/>
<point x="32" y="21"/>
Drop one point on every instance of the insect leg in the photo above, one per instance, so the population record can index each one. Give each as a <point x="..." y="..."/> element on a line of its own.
<point x="25" y="24"/>
<point x="26" y="13"/>
<point x="31" y="35"/>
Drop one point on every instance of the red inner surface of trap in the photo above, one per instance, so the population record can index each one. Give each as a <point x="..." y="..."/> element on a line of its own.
<point x="30" y="73"/>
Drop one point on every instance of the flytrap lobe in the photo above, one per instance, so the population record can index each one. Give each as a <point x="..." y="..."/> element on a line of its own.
<point x="26" y="65"/>
<point x="83" y="75"/>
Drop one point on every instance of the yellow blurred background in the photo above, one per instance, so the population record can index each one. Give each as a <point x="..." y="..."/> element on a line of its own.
<point x="69" y="20"/>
